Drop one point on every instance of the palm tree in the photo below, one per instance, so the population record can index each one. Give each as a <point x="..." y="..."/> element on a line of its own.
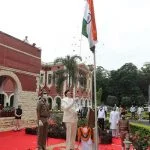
<point x="69" y="72"/>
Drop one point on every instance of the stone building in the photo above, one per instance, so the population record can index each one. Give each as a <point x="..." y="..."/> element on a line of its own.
<point x="20" y="65"/>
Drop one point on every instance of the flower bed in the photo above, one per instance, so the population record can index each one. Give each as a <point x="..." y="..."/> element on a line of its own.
<point x="54" y="131"/>
<point x="57" y="130"/>
<point x="7" y="112"/>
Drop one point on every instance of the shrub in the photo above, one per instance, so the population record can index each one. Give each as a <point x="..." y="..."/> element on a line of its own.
<point x="140" y="136"/>
<point x="58" y="130"/>
<point x="126" y="101"/>
<point x="8" y="112"/>
<point x="111" y="100"/>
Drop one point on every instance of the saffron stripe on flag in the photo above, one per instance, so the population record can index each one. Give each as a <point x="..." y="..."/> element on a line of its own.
<point x="88" y="24"/>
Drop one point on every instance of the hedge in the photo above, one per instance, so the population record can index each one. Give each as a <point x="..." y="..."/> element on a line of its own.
<point x="140" y="136"/>
<point x="143" y="129"/>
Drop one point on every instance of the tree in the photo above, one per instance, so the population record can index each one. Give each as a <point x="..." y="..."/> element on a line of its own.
<point x="123" y="82"/>
<point x="140" y="100"/>
<point x="144" y="79"/>
<point x="59" y="78"/>
<point x="111" y="100"/>
<point x="68" y="72"/>
<point x="128" y="79"/>
<point x="126" y="101"/>
<point x="102" y="78"/>
<point x="99" y="96"/>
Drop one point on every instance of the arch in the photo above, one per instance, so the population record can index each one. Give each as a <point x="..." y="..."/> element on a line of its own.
<point x="11" y="100"/>
<point x="58" y="102"/>
<point x="13" y="76"/>
<point x="17" y="83"/>
<point x="5" y="97"/>
<point x="50" y="102"/>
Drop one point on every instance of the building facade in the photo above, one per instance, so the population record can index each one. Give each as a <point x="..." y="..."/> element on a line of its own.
<point x="23" y="77"/>
<point x="20" y="65"/>
<point x="82" y="90"/>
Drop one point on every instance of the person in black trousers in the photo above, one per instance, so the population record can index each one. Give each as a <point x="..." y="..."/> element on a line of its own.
<point x="18" y="114"/>
<point x="101" y="117"/>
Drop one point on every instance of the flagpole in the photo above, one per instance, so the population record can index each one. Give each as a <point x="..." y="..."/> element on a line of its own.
<point x="96" y="127"/>
<point x="90" y="32"/>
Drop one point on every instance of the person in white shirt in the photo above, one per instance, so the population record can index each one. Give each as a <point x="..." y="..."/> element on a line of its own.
<point x="132" y="110"/>
<point x="101" y="117"/>
<point x="70" y="118"/>
<point x="149" y="112"/>
<point x="139" y="112"/>
<point x="114" y="119"/>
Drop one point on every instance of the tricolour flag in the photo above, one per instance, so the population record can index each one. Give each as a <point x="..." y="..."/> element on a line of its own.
<point x="89" y="25"/>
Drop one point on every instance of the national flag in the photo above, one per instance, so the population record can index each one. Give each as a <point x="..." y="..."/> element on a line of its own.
<point x="89" y="25"/>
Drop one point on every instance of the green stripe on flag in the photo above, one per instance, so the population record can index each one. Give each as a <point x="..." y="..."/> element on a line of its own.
<point x="84" y="28"/>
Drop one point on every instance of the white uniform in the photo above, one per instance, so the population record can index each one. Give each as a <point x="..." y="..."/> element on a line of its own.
<point x="70" y="118"/>
<point x="139" y="112"/>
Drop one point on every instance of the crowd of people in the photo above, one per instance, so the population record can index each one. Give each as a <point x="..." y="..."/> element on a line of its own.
<point x="137" y="112"/>
<point x="119" y="125"/>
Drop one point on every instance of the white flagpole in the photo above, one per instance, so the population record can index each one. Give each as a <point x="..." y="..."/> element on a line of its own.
<point x="96" y="127"/>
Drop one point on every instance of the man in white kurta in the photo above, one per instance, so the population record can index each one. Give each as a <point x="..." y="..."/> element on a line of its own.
<point x="114" y="119"/>
<point x="70" y="118"/>
<point x="139" y="112"/>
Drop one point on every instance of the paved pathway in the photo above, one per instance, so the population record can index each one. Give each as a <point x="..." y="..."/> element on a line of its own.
<point x="145" y="122"/>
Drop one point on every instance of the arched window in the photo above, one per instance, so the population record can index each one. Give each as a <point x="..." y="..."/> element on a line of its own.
<point x="49" y="79"/>
<point x="2" y="99"/>
<point x="58" y="102"/>
<point x="50" y="103"/>
<point x="12" y="101"/>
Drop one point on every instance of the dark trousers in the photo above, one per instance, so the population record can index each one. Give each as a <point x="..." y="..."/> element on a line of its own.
<point x="133" y="115"/>
<point x="101" y="123"/>
<point x="42" y="136"/>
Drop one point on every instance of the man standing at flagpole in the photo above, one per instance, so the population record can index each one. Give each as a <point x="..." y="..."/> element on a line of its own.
<point x="70" y="118"/>
<point x="90" y="32"/>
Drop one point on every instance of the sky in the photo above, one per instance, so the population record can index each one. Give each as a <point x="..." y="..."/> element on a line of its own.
<point x="123" y="29"/>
